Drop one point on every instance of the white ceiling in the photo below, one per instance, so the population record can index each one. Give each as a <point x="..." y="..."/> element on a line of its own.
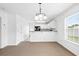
<point x="28" y="10"/>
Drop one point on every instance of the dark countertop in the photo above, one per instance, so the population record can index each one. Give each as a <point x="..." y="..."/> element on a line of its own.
<point x="43" y="31"/>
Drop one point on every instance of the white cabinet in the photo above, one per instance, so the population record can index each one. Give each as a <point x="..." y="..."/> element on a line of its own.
<point x="42" y="36"/>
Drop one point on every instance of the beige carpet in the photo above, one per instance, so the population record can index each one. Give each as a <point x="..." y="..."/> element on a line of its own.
<point x="35" y="49"/>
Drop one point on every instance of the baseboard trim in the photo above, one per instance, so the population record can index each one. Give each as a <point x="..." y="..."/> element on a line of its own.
<point x="42" y="41"/>
<point x="3" y="46"/>
<point x="18" y="42"/>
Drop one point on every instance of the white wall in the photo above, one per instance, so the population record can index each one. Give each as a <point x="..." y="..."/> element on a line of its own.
<point x="21" y="29"/>
<point x="11" y="28"/>
<point x="8" y="28"/>
<point x="3" y="40"/>
<point x="52" y="24"/>
<point x="0" y="31"/>
<point x="16" y="26"/>
<point x="74" y="48"/>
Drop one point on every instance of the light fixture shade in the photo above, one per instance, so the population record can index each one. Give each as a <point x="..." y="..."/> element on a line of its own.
<point x="40" y="17"/>
<point x="36" y="18"/>
<point x="45" y="17"/>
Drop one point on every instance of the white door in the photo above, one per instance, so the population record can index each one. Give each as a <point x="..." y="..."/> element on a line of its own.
<point x="4" y="30"/>
<point x="26" y="33"/>
<point x="0" y="31"/>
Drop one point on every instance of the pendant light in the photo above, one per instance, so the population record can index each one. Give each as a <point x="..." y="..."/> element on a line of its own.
<point x="40" y="16"/>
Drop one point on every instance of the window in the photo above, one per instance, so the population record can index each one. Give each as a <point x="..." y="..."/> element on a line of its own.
<point x="72" y="28"/>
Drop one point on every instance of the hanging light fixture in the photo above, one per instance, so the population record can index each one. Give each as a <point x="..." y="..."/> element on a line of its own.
<point x="40" y="16"/>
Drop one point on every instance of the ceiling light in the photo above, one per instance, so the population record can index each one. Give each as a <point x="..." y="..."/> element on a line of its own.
<point x="40" y="16"/>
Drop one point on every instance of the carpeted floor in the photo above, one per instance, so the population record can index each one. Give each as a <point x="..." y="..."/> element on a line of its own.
<point x="35" y="49"/>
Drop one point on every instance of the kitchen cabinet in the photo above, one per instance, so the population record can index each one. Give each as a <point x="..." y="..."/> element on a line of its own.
<point x="42" y="36"/>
